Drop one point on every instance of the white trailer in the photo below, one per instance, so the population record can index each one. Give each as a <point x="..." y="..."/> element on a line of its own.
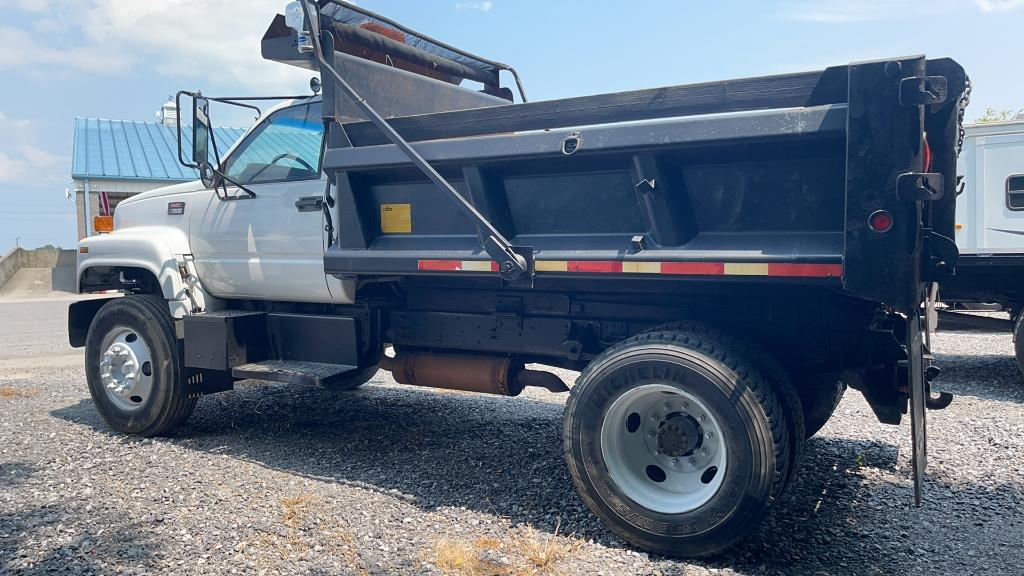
<point x="990" y="212"/>
<point x="990" y="230"/>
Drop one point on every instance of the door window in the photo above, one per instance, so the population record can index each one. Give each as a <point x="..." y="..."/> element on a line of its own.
<point x="285" y="147"/>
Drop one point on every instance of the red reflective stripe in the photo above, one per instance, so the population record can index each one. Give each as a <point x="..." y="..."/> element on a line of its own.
<point x="441" y="265"/>
<point x="693" y="268"/>
<point x="927" y="155"/>
<point x="674" y="268"/>
<point x="806" y="270"/>
<point x="595" y="266"/>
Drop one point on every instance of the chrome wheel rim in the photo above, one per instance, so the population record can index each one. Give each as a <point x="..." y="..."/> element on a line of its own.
<point x="663" y="448"/>
<point x="126" y="369"/>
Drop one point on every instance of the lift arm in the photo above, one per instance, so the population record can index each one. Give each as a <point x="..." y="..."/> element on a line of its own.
<point x="514" y="263"/>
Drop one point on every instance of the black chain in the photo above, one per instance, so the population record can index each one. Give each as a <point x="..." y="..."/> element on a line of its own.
<point x="964" y="101"/>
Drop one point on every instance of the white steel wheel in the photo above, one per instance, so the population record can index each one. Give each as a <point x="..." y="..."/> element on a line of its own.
<point x="134" y="367"/>
<point x="663" y="448"/>
<point x="126" y="369"/>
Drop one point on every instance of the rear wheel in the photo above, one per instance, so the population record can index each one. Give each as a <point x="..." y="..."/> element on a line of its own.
<point x="676" y="442"/>
<point x="1018" y="340"/>
<point x="819" y="396"/>
<point x="134" y="367"/>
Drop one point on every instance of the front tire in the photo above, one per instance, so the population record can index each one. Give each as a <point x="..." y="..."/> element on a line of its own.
<point x="134" y="367"/>
<point x="676" y="442"/>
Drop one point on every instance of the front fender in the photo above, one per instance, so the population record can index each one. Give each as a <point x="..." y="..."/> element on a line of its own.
<point x="159" y="249"/>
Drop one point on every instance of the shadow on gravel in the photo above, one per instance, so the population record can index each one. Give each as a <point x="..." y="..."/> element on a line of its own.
<point x="28" y="536"/>
<point x="989" y="376"/>
<point x="14" y="473"/>
<point x="844" y="514"/>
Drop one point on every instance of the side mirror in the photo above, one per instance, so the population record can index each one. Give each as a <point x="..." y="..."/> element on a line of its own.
<point x="201" y="132"/>
<point x="207" y="174"/>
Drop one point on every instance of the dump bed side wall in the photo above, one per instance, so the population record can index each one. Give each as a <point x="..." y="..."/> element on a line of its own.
<point x="775" y="191"/>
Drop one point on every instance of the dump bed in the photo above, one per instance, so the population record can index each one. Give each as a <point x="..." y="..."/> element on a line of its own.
<point x="841" y="176"/>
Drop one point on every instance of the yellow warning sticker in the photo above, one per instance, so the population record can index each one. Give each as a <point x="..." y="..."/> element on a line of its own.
<point x="396" y="218"/>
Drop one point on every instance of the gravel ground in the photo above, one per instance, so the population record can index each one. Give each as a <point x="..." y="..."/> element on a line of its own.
<point x="391" y="480"/>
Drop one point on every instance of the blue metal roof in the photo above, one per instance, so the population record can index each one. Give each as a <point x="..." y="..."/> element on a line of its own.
<point x="120" y="149"/>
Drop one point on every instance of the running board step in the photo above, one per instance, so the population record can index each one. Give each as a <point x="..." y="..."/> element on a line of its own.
<point x="293" y="372"/>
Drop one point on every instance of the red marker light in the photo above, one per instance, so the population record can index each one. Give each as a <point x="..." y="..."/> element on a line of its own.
<point x="880" y="221"/>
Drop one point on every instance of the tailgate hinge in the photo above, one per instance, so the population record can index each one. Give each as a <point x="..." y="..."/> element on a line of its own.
<point x="920" y="187"/>
<point x="923" y="90"/>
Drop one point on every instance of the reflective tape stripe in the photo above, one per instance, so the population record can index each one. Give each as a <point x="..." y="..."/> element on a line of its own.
<point x="693" y="268"/>
<point x="774" y="269"/>
<point x="741" y="269"/>
<point x="806" y="270"/>
<point x="440" y="265"/>
<point x="595" y="266"/>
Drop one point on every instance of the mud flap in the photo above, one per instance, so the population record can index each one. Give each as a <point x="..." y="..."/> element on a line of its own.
<point x="918" y="397"/>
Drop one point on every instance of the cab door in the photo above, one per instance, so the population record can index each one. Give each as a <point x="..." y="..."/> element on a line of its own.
<point x="271" y="246"/>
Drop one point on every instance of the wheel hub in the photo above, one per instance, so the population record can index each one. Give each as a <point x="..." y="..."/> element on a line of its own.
<point x="663" y="448"/>
<point x="679" y="435"/>
<point x="126" y="369"/>
<point x="119" y="369"/>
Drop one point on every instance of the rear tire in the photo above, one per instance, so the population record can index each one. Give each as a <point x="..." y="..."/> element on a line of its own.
<point x="1018" y="340"/>
<point x="655" y="508"/>
<point x="819" y="396"/>
<point x="134" y="367"/>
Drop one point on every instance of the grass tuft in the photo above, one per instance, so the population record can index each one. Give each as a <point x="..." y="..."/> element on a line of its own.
<point x="543" y="552"/>
<point x="295" y="509"/>
<point x="461" y="558"/>
<point x="531" y="553"/>
<point x="9" y="393"/>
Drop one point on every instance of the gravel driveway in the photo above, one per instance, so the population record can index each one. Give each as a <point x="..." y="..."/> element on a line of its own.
<point x="394" y="480"/>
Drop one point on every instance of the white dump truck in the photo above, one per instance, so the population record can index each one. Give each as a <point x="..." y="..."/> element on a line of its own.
<point x="720" y="261"/>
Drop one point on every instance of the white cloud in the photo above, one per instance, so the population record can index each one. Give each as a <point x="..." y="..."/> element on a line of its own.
<point x="484" y="6"/>
<point x="20" y="49"/>
<point x="21" y="159"/>
<point x="845" y="11"/>
<point x="33" y="5"/>
<point x="216" y="42"/>
<point x="999" y="5"/>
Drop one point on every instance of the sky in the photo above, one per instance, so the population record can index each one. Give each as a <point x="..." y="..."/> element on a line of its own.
<point x="121" y="59"/>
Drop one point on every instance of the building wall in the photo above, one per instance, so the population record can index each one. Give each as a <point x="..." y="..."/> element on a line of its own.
<point x="117" y="190"/>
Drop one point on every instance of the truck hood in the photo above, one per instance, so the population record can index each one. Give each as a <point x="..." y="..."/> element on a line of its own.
<point x="182" y="188"/>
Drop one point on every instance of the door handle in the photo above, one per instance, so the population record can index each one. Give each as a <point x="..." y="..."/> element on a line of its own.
<point x="310" y="204"/>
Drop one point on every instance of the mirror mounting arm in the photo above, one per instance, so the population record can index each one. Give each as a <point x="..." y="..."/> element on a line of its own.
<point x="219" y="182"/>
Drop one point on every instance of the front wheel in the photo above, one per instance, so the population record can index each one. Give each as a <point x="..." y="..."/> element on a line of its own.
<point x="134" y="367"/>
<point x="676" y="442"/>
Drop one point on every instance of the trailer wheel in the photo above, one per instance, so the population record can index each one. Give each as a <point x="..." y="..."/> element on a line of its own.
<point x="1018" y="340"/>
<point x="819" y="396"/>
<point x="355" y="379"/>
<point x="676" y="442"/>
<point x="134" y="367"/>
